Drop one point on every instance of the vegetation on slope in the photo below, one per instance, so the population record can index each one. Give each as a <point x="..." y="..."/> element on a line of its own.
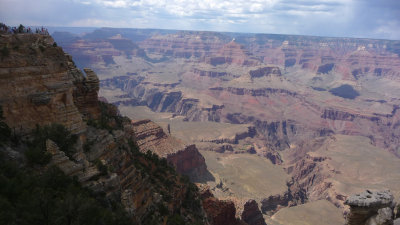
<point x="32" y="194"/>
<point x="36" y="193"/>
<point x="29" y="196"/>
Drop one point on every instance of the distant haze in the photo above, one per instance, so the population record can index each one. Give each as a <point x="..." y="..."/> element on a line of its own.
<point x="344" y="18"/>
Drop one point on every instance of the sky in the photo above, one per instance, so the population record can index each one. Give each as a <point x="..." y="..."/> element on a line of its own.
<point x="335" y="18"/>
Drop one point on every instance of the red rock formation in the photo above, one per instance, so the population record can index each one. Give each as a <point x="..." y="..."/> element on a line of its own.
<point x="186" y="159"/>
<point x="219" y="212"/>
<point x="251" y="214"/>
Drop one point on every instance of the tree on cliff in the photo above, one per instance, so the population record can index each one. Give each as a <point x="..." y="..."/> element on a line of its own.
<point x="21" y="28"/>
<point x="5" y="131"/>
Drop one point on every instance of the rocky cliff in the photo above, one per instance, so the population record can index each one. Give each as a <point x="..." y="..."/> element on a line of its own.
<point x="251" y="214"/>
<point x="40" y="86"/>
<point x="186" y="159"/>
<point x="37" y="86"/>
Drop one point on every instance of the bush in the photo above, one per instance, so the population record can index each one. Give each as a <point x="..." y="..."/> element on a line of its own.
<point x="42" y="48"/>
<point x="398" y="211"/>
<point x="5" y="131"/>
<point x="5" y="51"/>
<point x="109" y="118"/>
<point x="101" y="167"/>
<point x="37" y="153"/>
<point x="88" y="146"/>
<point x="51" y="197"/>
<point x="55" y="44"/>
<point x="176" y="219"/>
<point x="21" y="28"/>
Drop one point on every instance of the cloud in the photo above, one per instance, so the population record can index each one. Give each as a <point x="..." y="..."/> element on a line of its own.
<point x="356" y="18"/>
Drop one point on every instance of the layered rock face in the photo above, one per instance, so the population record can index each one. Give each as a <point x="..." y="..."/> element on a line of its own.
<point x="232" y="53"/>
<point x="265" y="71"/>
<point x="37" y="86"/>
<point x="371" y="207"/>
<point x="186" y="159"/>
<point x="40" y="85"/>
<point x="85" y="95"/>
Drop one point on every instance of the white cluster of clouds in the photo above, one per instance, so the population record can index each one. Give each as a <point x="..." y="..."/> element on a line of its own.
<point x="357" y="18"/>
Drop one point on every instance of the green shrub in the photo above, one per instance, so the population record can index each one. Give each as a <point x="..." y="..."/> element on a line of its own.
<point x="21" y="28"/>
<point x="5" y="131"/>
<point x="109" y="118"/>
<point x="88" y="146"/>
<point x="5" y="51"/>
<point x="42" y="48"/>
<point x="398" y="211"/>
<point x="101" y="167"/>
<point x="55" y="44"/>
<point x="176" y="219"/>
<point x="37" y="153"/>
<point x="51" y="197"/>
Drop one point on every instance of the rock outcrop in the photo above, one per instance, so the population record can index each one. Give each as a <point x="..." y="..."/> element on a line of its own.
<point x="251" y="213"/>
<point x="371" y="208"/>
<point x="85" y="94"/>
<point x="185" y="158"/>
<point x="265" y="72"/>
<point x="295" y="195"/>
<point x="36" y="85"/>
<point x="219" y="212"/>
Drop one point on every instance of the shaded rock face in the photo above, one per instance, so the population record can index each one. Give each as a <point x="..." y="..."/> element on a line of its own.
<point x="295" y="195"/>
<point x="190" y="162"/>
<point x="159" y="99"/>
<point x="371" y="207"/>
<point x="265" y="71"/>
<point x="85" y="95"/>
<point x="37" y="84"/>
<point x="251" y="214"/>
<point x="218" y="212"/>
<point x="186" y="159"/>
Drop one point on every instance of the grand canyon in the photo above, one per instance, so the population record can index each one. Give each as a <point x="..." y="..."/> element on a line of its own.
<point x="296" y="123"/>
<point x="198" y="127"/>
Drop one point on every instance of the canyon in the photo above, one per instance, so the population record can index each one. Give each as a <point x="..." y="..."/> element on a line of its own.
<point x="291" y="122"/>
<point x="52" y="117"/>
